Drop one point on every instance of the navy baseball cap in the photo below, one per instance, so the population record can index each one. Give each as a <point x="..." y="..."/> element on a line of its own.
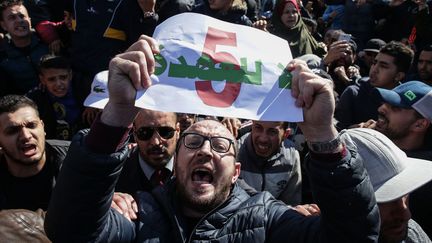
<point x="410" y="95"/>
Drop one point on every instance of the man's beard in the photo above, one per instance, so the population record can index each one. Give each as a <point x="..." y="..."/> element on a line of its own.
<point x="391" y="133"/>
<point x="202" y="206"/>
<point x="157" y="162"/>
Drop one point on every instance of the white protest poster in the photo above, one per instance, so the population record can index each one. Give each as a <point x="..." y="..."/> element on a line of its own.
<point x="207" y="66"/>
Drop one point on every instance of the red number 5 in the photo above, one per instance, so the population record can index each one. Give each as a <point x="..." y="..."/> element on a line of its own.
<point x="205" y="91"/>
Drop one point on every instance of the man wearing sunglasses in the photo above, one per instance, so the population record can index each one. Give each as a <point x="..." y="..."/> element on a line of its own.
<point x="203" y="202"/>
<point x="151" y="163"/>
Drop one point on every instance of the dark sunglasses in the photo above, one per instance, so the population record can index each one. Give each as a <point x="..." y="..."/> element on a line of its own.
<point x="145" y="133"/>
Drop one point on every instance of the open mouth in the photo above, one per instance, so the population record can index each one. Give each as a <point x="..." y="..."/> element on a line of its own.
<point x="202" y="176"/>
<point x="28" y="149"/>
<point x="382" y="120"/>
<point x="21" y="28"/>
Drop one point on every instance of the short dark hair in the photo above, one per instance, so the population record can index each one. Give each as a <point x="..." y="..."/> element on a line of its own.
<point x="4" y="4"/>
<point x="402" y="54"/>
<point x="11" y="103"/>
<point x="53" y="61"/>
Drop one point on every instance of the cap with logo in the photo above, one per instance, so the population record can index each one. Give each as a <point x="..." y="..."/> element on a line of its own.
<point x="98" y="96"/>
<point x="410" y="95"/>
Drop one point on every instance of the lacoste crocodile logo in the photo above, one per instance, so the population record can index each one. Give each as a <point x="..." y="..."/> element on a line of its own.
<point x="98" y="89"/>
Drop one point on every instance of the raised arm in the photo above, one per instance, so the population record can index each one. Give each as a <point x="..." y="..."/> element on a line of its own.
<point x="79" y="210"/>
<point x="340" y="184"/>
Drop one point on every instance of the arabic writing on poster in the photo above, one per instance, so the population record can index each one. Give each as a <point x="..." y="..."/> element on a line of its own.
<point x="207" y="66"/>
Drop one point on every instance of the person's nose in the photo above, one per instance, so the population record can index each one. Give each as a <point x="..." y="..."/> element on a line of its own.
<point x="205" y="149"/>
<point x="402" y="209"/>
<point x="383" y="108"/>
<point x="25" y="134"/>
<point x="421" y="65"/>
<point x="262" y="138"/>
<point x="58" y="82"/>
<point x="156" y="138"/>
<point x="373" y="68"/>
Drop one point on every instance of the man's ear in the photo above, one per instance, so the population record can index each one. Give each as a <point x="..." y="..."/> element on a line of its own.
<point x="421" y="125"/>
<point x="177" y="131"/>
<point x="400" y="76"/>
<point x="41" y="79"/>
<point x="237" y="167"/>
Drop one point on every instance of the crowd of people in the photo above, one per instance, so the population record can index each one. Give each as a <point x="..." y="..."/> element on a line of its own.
<point x="80" y="163"/>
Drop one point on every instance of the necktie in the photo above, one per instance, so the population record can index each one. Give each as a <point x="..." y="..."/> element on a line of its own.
<point x="160" y="176"/>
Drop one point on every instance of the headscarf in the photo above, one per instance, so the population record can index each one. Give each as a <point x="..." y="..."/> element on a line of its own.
<point x="299" y="38"/>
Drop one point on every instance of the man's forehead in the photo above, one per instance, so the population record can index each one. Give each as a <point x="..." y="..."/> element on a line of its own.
<point x="16" y="9"/>
<point x="18" y="117"/>
<point x="274" y="124"/>
<point x="210" y="128"/>
<point x="426" y="55"/>
<point x="152" y="118"/>
<point x="385" y="58"/>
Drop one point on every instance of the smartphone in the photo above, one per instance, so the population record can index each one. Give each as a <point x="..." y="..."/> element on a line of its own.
<point x="345" y="37"/>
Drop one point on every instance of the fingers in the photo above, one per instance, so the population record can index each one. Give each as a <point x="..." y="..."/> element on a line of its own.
<point x="132" y="145"/>
<point x="370" y="124"/>
<point x="338" y="49"/>
<point x="305" y="84"/>
<point x="300" y="73"/>
<point x="302" y="210"/>
<point x="232" y="124"/>
<point x="308" y="210"/>
<point x="141" y="53"/>
<point x="260" y="24"/>
<point x="134" y="65"/>
<point x="125" y="204"/>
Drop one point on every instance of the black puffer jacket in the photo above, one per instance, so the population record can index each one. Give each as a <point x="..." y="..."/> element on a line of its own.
<point x="80" y="207"/>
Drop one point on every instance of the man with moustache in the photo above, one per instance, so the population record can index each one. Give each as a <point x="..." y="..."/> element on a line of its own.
<point x="267" y="164"/>
<point x="151" y="163"/>
<point x="203" y="201"/>
<point x="29" y="164"/>
<point x="405" y="117"/>
<point x="395" y="177"/>
<point x="357" y="104"/>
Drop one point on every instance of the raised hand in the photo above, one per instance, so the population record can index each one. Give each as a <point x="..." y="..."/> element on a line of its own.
<point x="128" y="72"/>
<point x="315" y="95"/>
<point x="125" y="204"/>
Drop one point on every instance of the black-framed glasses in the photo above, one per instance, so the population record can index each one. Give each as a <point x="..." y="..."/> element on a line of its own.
<point x="196" y="141"/>
<point x="145" y="133"/>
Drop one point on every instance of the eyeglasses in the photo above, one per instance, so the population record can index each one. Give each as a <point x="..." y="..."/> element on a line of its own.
<point x="196" y="141"/>
<point x="145" y="133"/>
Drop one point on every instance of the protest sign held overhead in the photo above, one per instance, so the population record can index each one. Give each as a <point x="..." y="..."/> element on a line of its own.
<point x="207" y="66"/>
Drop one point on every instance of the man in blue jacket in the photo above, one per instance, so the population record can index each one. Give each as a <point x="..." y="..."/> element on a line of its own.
<point x="203" y="202"/>
<point x="22" y="51"/>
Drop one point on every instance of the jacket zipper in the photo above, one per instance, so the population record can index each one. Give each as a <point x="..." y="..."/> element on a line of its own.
<point x="204" y="217"/>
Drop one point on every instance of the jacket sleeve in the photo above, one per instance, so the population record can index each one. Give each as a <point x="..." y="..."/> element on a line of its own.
<point x="292" y="194"/>
<point x="343" y="191"/>
<point x="79" y="209"/>
<point x="344" y="109"/>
